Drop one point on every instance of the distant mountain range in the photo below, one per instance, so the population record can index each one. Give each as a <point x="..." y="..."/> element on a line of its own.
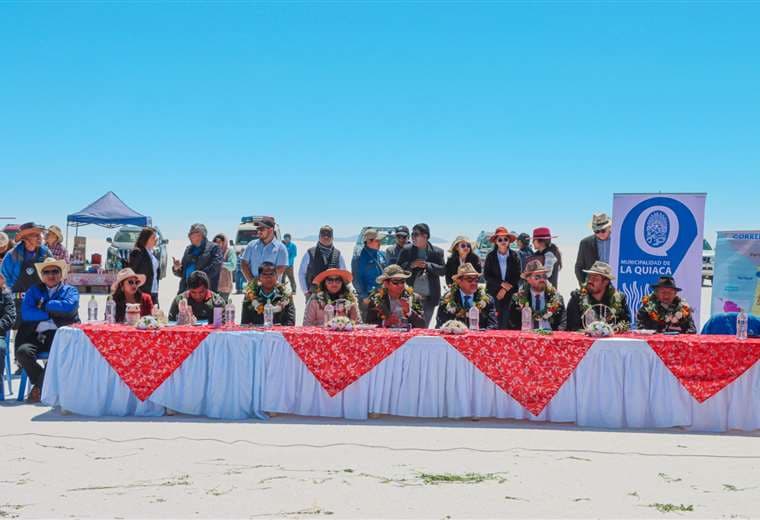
<point x="352" y="239"/>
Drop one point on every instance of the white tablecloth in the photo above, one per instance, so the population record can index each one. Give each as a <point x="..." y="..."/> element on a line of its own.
<point x="620" y="383"/>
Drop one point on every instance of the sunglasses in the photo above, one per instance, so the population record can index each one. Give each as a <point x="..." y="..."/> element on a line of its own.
<point x="334" y="279"/>
<point x="600" y="231"/>
<point x="132" y="282"/>
<point x="51" y="272"/>
<point x="464" y="246"/>
<point x="538" y="276"/>
<point x="469" y="279"/>
<point x="397" y="282"/>
<point x="502" y="240"/>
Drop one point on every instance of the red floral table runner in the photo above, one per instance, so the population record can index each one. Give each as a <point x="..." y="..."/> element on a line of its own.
<point x="337" y="359"/>
<point x="530" y="367"/>
<point x="144" y="359"/>
<point x="705" y="364"/>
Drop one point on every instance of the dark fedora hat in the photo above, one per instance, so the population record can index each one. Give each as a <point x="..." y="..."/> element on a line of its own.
<point x="666" y="282"/>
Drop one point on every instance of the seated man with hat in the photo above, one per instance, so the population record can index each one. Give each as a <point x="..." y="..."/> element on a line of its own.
<point x="199" y="297"/>
<point x="463" y="294"/>
<point x="664" y="311"/>
<point x="265" y="288"/>
<point x="598" y="290"/>
<point x="543" y="299"/>
<point x="393" y="303"/>
<point x="47" y="306"/>
<point x="333" y="287"/>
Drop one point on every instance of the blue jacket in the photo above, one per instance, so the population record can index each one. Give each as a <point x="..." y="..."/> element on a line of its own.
<point x="62" y="306"/>
<point x="12" y="262"/>
<point x="366" y="267"/>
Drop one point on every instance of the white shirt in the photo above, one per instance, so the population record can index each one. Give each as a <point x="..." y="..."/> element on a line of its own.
<point x="502" y="263"/>
<point x="154" y="261"/>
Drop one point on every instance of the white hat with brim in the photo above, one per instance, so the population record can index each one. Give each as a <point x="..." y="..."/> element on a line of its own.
<point x="600" y="221"/>
<point x="373" y="234"/>
<point x="533" y="267"/>
<point x="126" y="274"/>
<point x="602" y="269"/>
<point x="56" y="231"/>
<point x="52" y="262"/>
<point x="393" y="272"/>
<point x="465" y="270"/>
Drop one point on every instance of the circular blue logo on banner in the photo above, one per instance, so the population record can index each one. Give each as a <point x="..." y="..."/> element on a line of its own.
<point x="656" y="228"/>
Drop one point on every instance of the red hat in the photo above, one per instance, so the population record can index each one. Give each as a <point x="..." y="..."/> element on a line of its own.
<point x="542" y="233"/>
<point x="501" y="231"/>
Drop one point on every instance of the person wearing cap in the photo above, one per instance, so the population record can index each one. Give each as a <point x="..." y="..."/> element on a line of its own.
<point x="47" y="306"/>
<point x="266" y="248"/>
<point x="287" y="241"/>
<point x="461" y="252"/>
<point x="18" y="265"/>
<point x="545" y="302"/>
<point x="392" y="252"/>
<point x="367" y="266"/>
<point x="524" y="251"/>
<point x="427" y="264"/>
<point x="333" y="286"/>
<point x="324" y="255"/>
<point x="199" y="297"/>
<point x="463" y="294"/>
<point x="126" y="289"/>
<point x="393" y="303"/>
<point x="548" y="253"/>
<point x="7" y="319"/>
<point x="502" y="273"/>
<point x="5" y="245"/>
<point x="265" y="288"/>
<point x="144" y="262"/>
<point x="594" y="247"/>
<point x="54" y="243"/>
<point x="598" y="290"/>
<point x="201" y="255"/>
<point x="664" y="310"/>
<point x="229" y="266"/>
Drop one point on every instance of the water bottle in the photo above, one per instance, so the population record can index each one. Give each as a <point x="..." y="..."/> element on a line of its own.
<point x="473" y="316"/>
<point x="527" y="318"/>
<point x="217" y="320"/>
<point x="268" y="314"/>
<point x="741" y="324"/>
<point x="329" y="312"/>
<point x="229" y="314"/>
<point x="92" y="309"/>
<point x="110" y="311"/>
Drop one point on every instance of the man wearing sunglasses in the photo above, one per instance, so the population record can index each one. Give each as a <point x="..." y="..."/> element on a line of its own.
<point x="464" y="294"/>
<point x="427" y="265"/>
<point x="594" y="247"/>
<point x="319" y="259"/>
<point x="47" y="307"/>
<point x="543" y="299"/>
<point x="392" y="252"/>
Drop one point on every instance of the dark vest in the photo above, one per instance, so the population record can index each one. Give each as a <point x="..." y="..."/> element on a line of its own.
<point x="317" y="263"/>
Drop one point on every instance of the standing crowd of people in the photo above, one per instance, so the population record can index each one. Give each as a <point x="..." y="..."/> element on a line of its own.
<point x="396" y="287"/>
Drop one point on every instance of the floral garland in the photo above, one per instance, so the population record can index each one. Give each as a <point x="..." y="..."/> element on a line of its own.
<point x="378" y="294"/>
<point x="553" y="302"/>
<point x="616" y="305"/>
<point x="453" y="306"/>
<point x="657" y="312"/>
<point x="323" y="297"/>
<point x="281" y="297"/>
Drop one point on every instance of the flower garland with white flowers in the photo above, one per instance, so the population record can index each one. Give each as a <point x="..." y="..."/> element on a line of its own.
<point x="323" y="297"/>
<point x="616" y="306"/>
<point x="657" y="312"/>
<point x="553" y="302"/>
<point x="453" y="306"/>
<point x="377" y="296"/>
<point x="280" y="298"/>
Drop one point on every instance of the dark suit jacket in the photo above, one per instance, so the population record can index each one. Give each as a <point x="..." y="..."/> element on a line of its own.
<point x="587" y="255"/>
<point x="575" y="315"/>
<point x="487" y="315"/>
<point x="140" y="262"/>
<point x="492" y="274"/>
<point x="209" y="261"/>
<point x="557" y="321"/>
<point x="435" y="267"/>
<point x="452" y="265"/>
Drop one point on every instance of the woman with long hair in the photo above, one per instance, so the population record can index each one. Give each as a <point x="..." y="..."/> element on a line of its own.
<point x="333" y="287"/>
<point x="548" y="253"/>
<point x="126" y="289"/>
<point x="144" y="262"/>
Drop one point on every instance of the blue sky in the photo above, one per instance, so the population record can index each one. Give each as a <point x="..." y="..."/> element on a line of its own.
<point x="463" y="115"/>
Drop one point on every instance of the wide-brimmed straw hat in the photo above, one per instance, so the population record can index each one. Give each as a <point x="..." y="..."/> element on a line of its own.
<point x="51" y="262"/>
<point x="465" y="270"/>
<point x="458" y="240"/>
<point x="373" y="234"/>
<point x="28" y="228"/>
<point x="56" y="231"/>
<point x="4" y="240"/>
<point x="602" y="269"/>
<point x="666" y="282"/>
<point x="126" y="274"/>
<point x="393" y="272"/>
<point x="501" y="231"/>
<point x="600" y="221"/>
<point x="533" y="267"/>
<point x="345" y="275"/>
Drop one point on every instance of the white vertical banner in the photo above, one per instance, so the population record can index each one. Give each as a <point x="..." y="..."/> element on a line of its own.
<point x="657" y="235"/>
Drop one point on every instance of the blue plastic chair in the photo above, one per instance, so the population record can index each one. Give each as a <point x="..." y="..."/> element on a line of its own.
<point x="725" y="323"/>
<point x="5" y="370"/>
<point x="42" y="356"/>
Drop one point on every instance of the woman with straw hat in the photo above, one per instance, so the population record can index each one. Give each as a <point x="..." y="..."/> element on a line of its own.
<point x="54" y="242"/>
<point x="126" y="289"/>
<point x="333" y="287"/>
<point x="461" y="252"/>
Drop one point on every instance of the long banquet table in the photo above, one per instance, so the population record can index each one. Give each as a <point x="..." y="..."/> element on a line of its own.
<point x="702" y="383"/>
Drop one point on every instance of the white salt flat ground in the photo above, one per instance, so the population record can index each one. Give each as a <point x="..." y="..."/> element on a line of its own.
<point x="291" y="467"/>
